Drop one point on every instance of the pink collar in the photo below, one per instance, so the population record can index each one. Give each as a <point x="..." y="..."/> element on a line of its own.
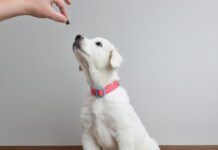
<point x="101" y="92"/>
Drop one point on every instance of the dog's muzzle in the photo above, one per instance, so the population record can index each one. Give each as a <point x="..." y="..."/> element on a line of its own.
<point x="77" y="42"/>
<point x="77" y="45"/>
<point x="79" y="37"/>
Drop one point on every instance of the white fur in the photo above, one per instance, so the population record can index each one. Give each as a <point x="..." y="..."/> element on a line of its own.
<point x="110" y="122"/>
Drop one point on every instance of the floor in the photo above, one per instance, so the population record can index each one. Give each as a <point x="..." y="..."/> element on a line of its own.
<point x="80" y="148"/>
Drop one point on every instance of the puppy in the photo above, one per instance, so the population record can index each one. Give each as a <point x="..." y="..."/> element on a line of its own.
<point x="109" y="121"/>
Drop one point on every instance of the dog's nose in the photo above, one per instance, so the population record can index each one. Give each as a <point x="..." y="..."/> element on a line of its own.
<point x="79" y="37"/>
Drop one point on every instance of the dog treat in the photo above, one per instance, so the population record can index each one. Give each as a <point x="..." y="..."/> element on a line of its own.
<point x="68" y="22"/>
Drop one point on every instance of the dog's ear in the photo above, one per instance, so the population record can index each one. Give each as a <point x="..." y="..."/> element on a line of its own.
<point x="115" y="59"/>
<point x="80" y="68"/>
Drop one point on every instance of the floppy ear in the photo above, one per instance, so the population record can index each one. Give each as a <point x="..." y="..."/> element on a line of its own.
<point x="116" y="59"/>
<point x="80" y="68"/>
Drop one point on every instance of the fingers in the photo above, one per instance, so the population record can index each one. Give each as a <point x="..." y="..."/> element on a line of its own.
<point x="68" y="2"/>
<point x="60" y="17"/>
<point x="61" y="6"/>
<point x="56" y="16"/>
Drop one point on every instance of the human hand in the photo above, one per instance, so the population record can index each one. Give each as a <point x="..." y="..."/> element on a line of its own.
<point x="44" y="9"/>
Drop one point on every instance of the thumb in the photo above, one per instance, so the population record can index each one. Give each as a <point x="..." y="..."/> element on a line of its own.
<point x="57" y="16"/>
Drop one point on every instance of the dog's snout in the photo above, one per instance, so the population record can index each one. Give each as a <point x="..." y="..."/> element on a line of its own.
<point x="79" y="37"/>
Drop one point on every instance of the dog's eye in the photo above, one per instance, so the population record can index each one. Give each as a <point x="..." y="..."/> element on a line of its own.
<point x="98" y="44"/>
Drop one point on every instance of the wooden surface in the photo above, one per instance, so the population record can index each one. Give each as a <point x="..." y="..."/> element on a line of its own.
<point x="40" y="148"/>
<point x="80" y="148"/>
<point x="189" y="147"/>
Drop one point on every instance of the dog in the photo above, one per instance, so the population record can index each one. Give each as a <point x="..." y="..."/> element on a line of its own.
<point x="109" y="121"/>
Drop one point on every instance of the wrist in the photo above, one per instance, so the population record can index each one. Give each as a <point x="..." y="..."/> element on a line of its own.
<point x="23" y="7"/>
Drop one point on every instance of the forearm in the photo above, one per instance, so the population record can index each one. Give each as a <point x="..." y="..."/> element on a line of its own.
<point x="11" y="8"/>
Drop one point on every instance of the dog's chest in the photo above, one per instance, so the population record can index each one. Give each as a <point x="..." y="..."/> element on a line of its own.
<point x="102" y="127"/>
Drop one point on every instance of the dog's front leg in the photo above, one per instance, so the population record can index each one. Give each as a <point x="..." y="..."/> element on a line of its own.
<point x="125" y="139"/>
<point x="89" y="142"/>
<point x="124" y="134"/>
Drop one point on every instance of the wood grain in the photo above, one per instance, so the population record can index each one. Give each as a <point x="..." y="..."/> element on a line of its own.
<point x="184" y="147"/>
<point x="163" y="147"/>
<point x="40" y="148"/>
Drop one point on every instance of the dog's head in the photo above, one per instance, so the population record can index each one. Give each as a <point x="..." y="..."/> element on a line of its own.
<point x="97" y="57"/>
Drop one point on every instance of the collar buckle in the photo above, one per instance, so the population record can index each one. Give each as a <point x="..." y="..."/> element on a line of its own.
<point x="100" y="92"/>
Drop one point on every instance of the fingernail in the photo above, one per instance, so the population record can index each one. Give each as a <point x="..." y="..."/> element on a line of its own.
<point x="68" y="22"/>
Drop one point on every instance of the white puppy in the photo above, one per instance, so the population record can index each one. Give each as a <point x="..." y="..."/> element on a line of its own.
<point x="109" y="121"/>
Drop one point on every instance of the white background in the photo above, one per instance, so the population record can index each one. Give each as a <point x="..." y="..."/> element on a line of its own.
<point x="170" y="70"/>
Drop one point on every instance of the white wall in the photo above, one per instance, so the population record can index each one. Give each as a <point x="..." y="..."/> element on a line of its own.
<point x="170" y="70"/>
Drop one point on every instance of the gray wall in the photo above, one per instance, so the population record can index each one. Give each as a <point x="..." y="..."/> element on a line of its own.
<point x="170" y="70"/>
